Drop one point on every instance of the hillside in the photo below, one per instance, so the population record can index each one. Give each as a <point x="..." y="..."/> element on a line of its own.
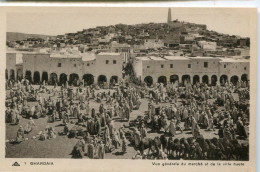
<point x="14" y="36"/>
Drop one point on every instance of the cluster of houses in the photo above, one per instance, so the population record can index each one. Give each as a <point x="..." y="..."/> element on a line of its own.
<point x="159" y="52"/>
<point x="190" y="38"/>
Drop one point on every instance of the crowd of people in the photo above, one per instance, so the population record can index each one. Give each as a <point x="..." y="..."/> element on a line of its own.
<point x="172" y="110"/>
<point x="198" y="107"/>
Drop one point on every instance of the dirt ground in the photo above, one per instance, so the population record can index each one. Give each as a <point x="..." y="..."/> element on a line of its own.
<point x="61" y="146"/>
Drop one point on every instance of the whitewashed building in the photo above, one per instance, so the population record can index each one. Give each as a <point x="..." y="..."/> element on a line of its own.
<point x="88" y="67"/>
<point x="209" y="70"/>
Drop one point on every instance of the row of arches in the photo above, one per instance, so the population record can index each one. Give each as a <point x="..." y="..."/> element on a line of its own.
<point x="72" y="79"/>
<point x="12" y="75"/>
<point x="196" y="79"/>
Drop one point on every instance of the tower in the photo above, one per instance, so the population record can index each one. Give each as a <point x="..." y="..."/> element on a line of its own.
<point x="169" y="16"/>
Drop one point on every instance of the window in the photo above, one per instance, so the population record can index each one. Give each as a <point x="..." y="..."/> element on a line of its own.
<point x="59" y="64"/>
<point x="87" y="64"/>
<point x="107" y="61"/>
<point x="114" y="61"/>
<point x="162" y="66"/>
<point x="171" y="65"/>
<point x="75" y="65"/>
<point x="205" y="64"/>
<point x="225" y="66"/>
<point x="148" y="67"/>
<point x="244" y="68"/>
<point x="189" y="65"/>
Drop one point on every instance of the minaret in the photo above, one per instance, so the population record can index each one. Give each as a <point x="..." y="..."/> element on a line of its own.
<point x="169" y="16"/>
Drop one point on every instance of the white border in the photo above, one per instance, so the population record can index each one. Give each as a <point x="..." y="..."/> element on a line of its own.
<point x="255" y="3"/>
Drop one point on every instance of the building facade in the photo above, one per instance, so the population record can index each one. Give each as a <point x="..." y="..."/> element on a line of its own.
<point x="60" y="68"/>
<point x="107" y="67"/>
<point x="210" y="70"/>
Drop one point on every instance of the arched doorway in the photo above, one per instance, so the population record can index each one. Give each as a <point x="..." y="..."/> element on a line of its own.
<point x="45" y="77"/>
<point x="36" y="77"/>
<point x="102" y="79"/>
<point x="88" y="79"/>
<point x="244" y="78"/>
<point x="214" y="80"/>
<point x="205" y="79"/>
<point x="19" y="74"/>
<point x="114" y="79"/>
<point x="174" y="78"/>
<point x="6" y="74"/>
<point x="73" y="80"/>
<point x="234" y="79"/>
<point x="53" y="78"/>
<point x="196" y="79"/>
<point x="63" y="78"/>
<point x="223" y="79"/>
<point x="12" y="74"/>
<point x="185" y="79"/>
<point x="162" y="79"/>
<point x="148" y="80"/>
<point x="28" y="75"/>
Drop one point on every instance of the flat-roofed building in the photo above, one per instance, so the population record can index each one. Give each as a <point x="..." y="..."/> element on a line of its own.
<point x="62" y="67"/>
<point x="109" y="67"/>
<point x="13" y="66"/>
<point x="210" y="70"/>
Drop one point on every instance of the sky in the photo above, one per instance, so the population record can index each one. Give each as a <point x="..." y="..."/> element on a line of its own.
<point x="55" y="21"/>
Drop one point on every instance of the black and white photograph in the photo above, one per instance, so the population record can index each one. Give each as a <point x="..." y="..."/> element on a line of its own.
<point x="131" y="83"/>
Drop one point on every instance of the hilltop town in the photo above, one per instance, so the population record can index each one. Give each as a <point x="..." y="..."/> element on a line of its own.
<point x="174" y="37"/>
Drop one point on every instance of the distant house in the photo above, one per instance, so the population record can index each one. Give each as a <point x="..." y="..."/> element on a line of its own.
<point x="211" y="46"/>
<point x="153" y="43"/>
<point x="172" y="40"/>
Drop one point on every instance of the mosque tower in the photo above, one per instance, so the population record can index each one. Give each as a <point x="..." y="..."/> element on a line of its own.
<point x="169" y="16"/>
